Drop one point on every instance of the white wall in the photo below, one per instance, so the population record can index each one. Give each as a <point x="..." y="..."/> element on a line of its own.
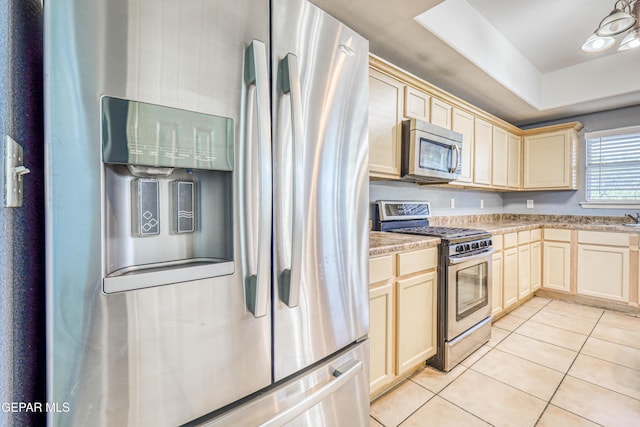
<point x="466" y="201"/>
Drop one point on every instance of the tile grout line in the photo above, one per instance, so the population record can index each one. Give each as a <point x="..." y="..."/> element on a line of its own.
<point x="567" y="374"/>
<point x="467" y="368"/>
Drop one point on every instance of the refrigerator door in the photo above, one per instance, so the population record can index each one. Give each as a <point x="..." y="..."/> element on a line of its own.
<point x="319" y="81"/>
<point x="22" y="274"/>
<point x="162" y="355"/>
<point x="335" y="393"/>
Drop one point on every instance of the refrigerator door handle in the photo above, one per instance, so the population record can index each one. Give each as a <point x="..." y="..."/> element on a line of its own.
<point x="291" y="276"/>
<point x="342" y="375"/>
<point x="257" y="284"/>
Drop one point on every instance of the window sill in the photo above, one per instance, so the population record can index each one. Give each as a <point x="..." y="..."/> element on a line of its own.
<point x="609" y="205"/>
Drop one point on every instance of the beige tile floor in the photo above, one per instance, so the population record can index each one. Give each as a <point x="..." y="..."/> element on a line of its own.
<point x="549" y="363"/>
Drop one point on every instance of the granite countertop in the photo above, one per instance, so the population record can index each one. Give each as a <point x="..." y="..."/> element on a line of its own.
<point x="382" y="243"/>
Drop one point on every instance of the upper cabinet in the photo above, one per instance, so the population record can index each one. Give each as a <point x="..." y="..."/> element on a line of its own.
<point x="417" y="104"/>
<point x="482" y="154"/>
<point x="440" y="113"/>
<point x="551" y="157"/>
<point x="385" y="124"/>
<point x="514" y="161"/>
<point x="463" y="123"/>
<point x="495" y="154"/>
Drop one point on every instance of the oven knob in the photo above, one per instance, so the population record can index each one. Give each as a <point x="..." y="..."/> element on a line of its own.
<point x="459" y="248"/>
<point x="467" y="247"/>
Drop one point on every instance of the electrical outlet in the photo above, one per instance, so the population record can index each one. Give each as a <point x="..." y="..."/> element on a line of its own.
<point x="529" y="204"/>
<point x="453" y="203"/>
<point x="481" y="204"/>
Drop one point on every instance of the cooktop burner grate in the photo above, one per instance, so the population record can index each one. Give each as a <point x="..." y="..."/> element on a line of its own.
<point x="442" y="232"/>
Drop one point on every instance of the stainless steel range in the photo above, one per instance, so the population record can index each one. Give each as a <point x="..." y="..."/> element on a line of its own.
<point x="464" y="278"/>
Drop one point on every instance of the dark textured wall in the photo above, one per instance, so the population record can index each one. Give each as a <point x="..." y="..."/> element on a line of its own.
<point x="22" y="270"/>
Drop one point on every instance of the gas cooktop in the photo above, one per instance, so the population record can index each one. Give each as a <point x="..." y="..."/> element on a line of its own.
<point x="442" y="232"/>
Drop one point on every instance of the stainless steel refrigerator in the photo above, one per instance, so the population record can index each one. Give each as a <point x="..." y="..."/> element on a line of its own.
<point x="207" y="205"/>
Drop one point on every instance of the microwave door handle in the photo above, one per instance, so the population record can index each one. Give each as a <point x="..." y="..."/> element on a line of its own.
<point x="257" y="229"/>
<point x="454" y="164"/>
<point x="291" y="276"/>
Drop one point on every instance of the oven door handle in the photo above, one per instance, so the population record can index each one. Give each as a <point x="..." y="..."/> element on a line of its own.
<point x="485" y="253"/>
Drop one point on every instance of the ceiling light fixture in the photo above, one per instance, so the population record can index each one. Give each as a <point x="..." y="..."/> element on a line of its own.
<point x="625" y="16"/>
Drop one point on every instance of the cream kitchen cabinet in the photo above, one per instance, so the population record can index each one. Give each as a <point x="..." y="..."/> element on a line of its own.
<point x="510" y="275"/>
<point x="381" y="321"/>
<point x="482" y="155"/>
<point x="440" y="113"/>
<point x="557" y="260"/>
<point x="386" y="101"/>
<point x="514" y="159"/>
<point x="497" y="267"/>
<point x="463" y="123"/>
<point x="524" y="264"/>
<point x="536" y="265"/>
<point x="417" y="104"/>
<point x="551" y="157"/>
<point x="500" y="157"/>
<point x="402" y="300"/>
<point x="603" y="265"/>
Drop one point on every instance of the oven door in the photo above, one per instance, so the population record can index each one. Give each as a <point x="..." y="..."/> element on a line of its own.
<point x="468" y="293"/>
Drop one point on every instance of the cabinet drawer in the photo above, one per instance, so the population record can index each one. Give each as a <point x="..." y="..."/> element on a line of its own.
<point x="510" y="240"/>
<point x="557" y="235"/>
<point x="524" y="237"/>
<point x="601" y="238"/>
<point x="414" y="261"/>
<point x="380" y="268"/>
<point x="497" y="242"/>
<point x="536" y="235"/>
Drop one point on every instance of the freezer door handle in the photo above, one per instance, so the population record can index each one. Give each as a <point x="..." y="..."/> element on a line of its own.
<point x="291" y="276"/>
<point x="341" y="376"/>
<point x="258" y="228"/>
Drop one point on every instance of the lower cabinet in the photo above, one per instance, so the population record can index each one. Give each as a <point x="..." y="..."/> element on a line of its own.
<point x="603" y="265"/>
<point x="496" y="279"/>
<point x="557" y="260"/>
<point x="524" y="271"/>
<point x="403" y="310"/>
<point x="510" y="277"/>
<point x="536" y="266"/>
<point x="416" y="323"/>
<point x="381" y="335"/>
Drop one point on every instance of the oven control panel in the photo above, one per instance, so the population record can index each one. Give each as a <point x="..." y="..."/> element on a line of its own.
<point x="470" y="246"/>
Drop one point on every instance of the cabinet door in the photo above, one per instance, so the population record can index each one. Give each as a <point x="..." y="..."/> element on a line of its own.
<point x="499" y="157"/>
<point x="385" y="122"/>
<point x="496" y="279"/>
<point x="416" y="317"/>
<point x="557" y="265"/>
<point x="416" y="104"/>
<point x="381" y="335"/>
<point x="440" y="113"/>
<point x="603" y="271"/>
<point x="483" y="134"/>
<point x="536" y="266"/>
<point x="462" y="122"/>
<point x="548" y="160"/>
<point x="510" y="278"/>
<point x="513" y="161"/>
<point x="524" y="271"/>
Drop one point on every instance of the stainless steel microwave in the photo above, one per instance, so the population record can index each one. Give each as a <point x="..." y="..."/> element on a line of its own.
<point x="430" y="153"/>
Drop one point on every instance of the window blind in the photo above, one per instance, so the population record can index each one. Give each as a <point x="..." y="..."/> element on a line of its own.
<point x="613" y="166"/>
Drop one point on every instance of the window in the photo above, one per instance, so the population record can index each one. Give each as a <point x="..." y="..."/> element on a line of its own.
<point x="613" y="166"/>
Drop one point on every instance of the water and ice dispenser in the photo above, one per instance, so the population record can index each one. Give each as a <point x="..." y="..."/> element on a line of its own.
<point x="168" y="186"/>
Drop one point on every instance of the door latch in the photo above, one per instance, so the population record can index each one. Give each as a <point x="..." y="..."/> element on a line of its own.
<point x="14" y="171"/>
